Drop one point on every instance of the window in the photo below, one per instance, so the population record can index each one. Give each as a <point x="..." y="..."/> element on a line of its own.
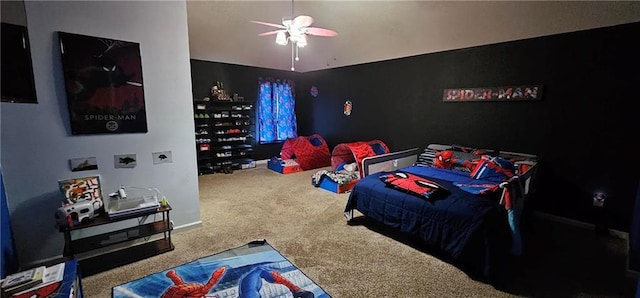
<point x="276" y="111"/>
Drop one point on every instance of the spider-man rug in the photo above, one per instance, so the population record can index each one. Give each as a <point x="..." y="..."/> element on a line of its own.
<point x="254" y="270"/>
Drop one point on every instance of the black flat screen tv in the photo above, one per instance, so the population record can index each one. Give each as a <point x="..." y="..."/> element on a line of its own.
<point x="17" y="71"/>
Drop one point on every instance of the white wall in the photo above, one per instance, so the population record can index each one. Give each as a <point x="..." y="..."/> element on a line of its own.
<point x="36" y="139"/>
<point x="12" y="12"/>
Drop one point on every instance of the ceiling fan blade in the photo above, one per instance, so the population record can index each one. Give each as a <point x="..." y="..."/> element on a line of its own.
<point x="271" y="32"/>
<point x="320" y="32"/>
<point x="270" y="24"/>
<point x="302" y="21"/>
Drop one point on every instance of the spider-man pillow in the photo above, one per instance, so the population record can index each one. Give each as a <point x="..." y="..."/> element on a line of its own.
<point x="453" y="160"/>
<point x="415" y="185"/>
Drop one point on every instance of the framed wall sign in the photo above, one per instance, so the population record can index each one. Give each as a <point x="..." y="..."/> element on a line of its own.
<point x="103" y="80"/>
<point x="508" y="93"/>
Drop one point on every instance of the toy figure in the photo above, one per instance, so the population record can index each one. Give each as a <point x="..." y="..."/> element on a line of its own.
<point x="69" y="215"/>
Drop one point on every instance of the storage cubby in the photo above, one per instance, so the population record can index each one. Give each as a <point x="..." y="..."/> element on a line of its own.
<point x="233" y="134"/>
<point x="75" y="246"/>
<point x="225" y="132"/>
<point x="202" y="112"/>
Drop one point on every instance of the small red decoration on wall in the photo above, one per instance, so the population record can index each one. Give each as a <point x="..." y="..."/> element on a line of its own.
<point x="348" y="106"/>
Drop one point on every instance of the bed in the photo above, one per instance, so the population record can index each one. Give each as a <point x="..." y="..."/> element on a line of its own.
<point x="461" y="208"/>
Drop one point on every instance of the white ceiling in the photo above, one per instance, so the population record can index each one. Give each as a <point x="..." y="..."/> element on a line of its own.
<point x="369" y="31"/>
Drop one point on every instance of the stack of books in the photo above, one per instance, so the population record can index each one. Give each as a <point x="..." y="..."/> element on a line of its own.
<point x="22" y="280"/>
<point x="31" y="279"/>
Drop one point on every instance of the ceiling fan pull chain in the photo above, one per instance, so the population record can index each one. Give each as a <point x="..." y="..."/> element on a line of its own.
<point x="292" y="61"/>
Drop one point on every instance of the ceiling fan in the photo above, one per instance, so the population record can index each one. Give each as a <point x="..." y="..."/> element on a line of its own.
<point x="295" y="31"/>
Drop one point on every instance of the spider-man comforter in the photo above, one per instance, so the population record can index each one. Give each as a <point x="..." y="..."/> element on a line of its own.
<point x="469" y="227"/>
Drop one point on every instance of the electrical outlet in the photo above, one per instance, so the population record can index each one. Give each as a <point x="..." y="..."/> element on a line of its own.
<point x="598" y="199"/>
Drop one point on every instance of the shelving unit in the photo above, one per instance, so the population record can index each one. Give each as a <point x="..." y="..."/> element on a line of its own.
<point x="203" y="127"/>
<point x="74" y="247"/>
<point x="225" y="133"/>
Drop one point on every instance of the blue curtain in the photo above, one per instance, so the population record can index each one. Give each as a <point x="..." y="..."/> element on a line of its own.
<point x="276" y="110"/>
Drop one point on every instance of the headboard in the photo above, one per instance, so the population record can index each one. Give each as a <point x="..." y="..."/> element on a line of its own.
<point x="396" y="160"/>
<point x="527" y="164"/>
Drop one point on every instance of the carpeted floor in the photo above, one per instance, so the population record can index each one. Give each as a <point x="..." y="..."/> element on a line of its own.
<point x="306" y="225"/>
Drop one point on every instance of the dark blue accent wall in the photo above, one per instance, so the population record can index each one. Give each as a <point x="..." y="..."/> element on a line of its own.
<point x="584" y="127"/>
<point x="634" y="236"/>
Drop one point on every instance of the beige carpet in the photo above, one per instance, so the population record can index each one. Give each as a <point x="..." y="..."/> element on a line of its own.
<point x="306" y="224"/>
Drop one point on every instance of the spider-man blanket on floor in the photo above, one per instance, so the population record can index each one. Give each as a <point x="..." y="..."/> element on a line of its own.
<point x="254" y="270"/>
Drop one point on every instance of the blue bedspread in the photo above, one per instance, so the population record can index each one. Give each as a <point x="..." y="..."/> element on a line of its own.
<point x="461" y="224"/>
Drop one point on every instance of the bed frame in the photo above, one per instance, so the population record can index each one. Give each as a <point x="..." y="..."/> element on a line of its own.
<point x="519" y="187"/>
<point x="523" y="182"/>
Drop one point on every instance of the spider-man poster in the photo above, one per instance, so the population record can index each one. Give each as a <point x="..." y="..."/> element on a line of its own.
<point x="103" y="81"/>
<point x="254" y="270"/>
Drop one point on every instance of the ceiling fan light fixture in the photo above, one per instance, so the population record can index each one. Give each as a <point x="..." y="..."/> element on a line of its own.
<point x="281" y="38"/>
<point x="301" y="41"/>
<point x="295" y="31"/>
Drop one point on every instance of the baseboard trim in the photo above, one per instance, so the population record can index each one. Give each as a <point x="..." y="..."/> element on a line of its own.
<point x="577" y="223"/>
<point x="39" y="262"/>
<point x="189" y="226"/>
<point x="262" y="162"/>
<point x="580" y="224"/>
